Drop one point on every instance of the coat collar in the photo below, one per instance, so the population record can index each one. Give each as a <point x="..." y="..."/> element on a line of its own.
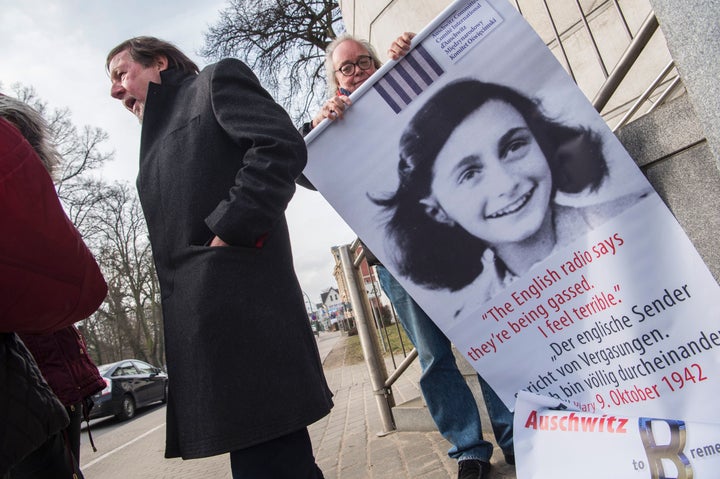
<point x="173" y="76"/>
<point x="159" y="98"/>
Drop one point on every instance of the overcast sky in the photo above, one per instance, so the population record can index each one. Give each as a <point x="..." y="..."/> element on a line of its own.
<point x="59" y="48"/>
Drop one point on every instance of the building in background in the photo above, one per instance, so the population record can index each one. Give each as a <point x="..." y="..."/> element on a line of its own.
<point x="378" y="304"/>
<point x="332" y="305"/>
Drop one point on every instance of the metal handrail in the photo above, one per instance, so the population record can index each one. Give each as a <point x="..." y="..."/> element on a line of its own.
<point x="599" y="57"/>
<point x="369" y="343"/>
<point x="401" y="368"/>
<point x="665" y="94"/>
<point x="358" y="259"/>
<point x="351" y="258"/>
<point x="636" y="46"/>
<point x="648" y="28"/>
<point x="559" y="41"/>
<point x="646" y="94"/>
<point x="619" y="11"/>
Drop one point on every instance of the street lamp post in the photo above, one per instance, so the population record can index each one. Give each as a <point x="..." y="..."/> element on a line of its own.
<point x="307" y="298"/>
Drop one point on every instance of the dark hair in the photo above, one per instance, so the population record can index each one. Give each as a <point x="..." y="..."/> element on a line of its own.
<point x="433" y="254"/>
<point x="145" y="50"/>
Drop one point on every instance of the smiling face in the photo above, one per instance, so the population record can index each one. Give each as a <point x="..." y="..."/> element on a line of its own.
<point x="491" y="177"/>
<point x="350" y="51"/>
<point x="130" y="80"/>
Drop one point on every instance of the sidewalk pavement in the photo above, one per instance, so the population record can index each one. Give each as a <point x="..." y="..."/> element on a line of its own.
<point x="347" y="444"/>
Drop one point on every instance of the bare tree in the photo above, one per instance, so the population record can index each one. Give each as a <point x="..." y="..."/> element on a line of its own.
<point x="81" y="150"/>
<point x="82" y="155"/>
<point x="283" y="41"/>
<point x="129" y="323"/>
<point x="130" y="317"/>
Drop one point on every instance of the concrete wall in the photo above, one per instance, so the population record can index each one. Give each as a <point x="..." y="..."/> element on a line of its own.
<point x="381" y="21"/>
<point x="670" y="147"/>
<point x="693" y="32"/>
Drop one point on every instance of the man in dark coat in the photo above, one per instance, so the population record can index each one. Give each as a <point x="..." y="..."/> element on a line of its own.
<point x="218" y="162"/>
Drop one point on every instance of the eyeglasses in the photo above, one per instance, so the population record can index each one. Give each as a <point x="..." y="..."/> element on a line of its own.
<point x="364" y="62"/>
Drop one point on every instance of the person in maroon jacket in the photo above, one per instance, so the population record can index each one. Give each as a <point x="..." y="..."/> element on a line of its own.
<point x="48" y="281"/>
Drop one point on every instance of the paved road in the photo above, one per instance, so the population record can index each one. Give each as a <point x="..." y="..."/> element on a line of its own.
<point x="346" y="442"/>
<point x="134" y="449"/>
<point x="326" y="342"/>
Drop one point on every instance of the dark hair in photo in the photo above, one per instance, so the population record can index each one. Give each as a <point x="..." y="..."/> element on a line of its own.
<point x="440" y="256"/>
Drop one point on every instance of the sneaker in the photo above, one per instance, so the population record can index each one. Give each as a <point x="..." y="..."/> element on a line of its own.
<point x="473" y="469"/>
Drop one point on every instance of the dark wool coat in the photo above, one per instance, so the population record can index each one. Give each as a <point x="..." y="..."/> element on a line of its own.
<point x="219" y="157"/>
<point x="29" y="411"/>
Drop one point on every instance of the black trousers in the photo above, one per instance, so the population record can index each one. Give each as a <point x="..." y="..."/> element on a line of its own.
<point x="287" y="457"/>
<point x="73" y="429"/>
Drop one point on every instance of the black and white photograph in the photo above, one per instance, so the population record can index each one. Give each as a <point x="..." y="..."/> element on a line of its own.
<point x="482" y="175"/>
<point x="473" y="164"/>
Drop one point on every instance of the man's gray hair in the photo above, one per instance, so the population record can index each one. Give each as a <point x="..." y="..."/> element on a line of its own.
<point x="330" y="68"/>
<point x="34" y="128"/>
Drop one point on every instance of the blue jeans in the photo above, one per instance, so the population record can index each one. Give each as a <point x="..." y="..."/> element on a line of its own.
<point x="447" y="395"/>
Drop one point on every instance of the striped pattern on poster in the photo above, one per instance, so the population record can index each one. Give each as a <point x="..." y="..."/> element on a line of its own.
<point x="408" y="79"/>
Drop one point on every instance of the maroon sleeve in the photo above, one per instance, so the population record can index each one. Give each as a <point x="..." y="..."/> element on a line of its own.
<point x="48" y="277"/>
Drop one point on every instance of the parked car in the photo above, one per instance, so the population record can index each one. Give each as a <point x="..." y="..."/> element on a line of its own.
<point x="130" y="384"/>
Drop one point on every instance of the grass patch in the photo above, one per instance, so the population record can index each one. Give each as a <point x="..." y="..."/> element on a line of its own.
<point x="354" y="353"/>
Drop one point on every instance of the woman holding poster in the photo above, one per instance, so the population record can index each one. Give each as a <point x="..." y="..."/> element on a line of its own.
<point x="480" y="169"/>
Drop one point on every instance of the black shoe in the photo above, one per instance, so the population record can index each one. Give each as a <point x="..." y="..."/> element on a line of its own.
<point x="473" y="469"/>
<point x="510" y="459"/>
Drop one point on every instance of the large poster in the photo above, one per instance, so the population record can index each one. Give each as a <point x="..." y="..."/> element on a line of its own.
<point x="484" y="180"/>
